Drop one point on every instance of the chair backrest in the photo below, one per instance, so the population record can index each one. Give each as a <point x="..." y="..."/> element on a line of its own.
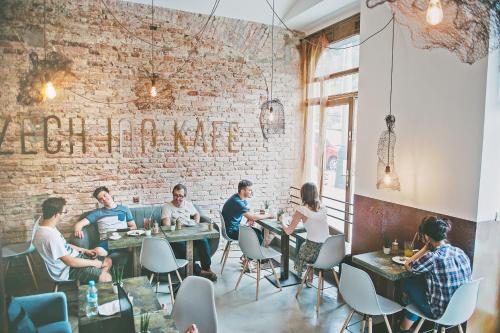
<point x="195" y="304"/>
<point x="358" y="291"/>
<point x="157" y="255"/>
<point x="249" y="243"/>
<point x="461" y="305"/>
<point x="35" y="228"/>
<point x="332" y="252"/>
<point x="126" y="312"/>
<point x="223" y="227"/>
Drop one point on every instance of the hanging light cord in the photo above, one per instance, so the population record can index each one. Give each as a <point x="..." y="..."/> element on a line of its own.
<point x="44" y="29"/>
<point x="390" y="92"/>
<point x="272" y="53"/>
<point x="152" y="40"/>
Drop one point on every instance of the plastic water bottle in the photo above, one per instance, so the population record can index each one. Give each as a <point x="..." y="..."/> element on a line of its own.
<point x="92" y="297"/>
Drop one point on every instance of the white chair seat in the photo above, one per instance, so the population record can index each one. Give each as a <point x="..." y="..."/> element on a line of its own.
<point x="387" y="306"/>
<point x="13" y="250"/>
<point x="181" y="262"/>
<point x="268" y="253"/>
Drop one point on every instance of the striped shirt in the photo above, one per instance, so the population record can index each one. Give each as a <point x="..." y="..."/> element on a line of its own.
<point x="446" y="268"/>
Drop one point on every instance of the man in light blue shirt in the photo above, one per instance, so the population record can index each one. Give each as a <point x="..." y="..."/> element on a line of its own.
<point x="110" y="217"/>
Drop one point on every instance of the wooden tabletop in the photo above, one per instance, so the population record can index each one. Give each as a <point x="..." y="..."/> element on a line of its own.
<point x="381" y="264"/>
<point x="159" y="322"/>
<point x="144" y="298"/>
<point x="199" y="231"/>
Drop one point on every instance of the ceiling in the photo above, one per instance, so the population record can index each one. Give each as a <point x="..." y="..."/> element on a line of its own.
<point x="307" y="16"/>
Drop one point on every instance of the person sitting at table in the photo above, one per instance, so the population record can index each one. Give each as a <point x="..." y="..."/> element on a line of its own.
<point x="236" y="207"/>
<point x="110" y="217"/>
<point x="441" y="268"/>
<point x="313" y="215"/>
<point x="183" y="210"/>
<point x="67" y="261"/>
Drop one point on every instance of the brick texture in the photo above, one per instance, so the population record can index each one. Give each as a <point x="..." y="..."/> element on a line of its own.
<point x="212" y="80"/>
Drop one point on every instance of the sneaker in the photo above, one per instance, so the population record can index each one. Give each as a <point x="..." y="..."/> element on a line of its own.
<point x="209" y="275"/>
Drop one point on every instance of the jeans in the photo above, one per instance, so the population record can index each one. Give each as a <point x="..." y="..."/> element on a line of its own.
<point x="235" y="234"/>
<point x="203" y="248"/>
<point x="416" y="288"/>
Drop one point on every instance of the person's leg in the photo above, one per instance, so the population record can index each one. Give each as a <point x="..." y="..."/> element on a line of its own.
<point x="86" y="274"/>
<point x="260" y="235"/>
<point x="415" y="288"/>
<point x="180" y="251"/>
<point x="203" y="248"/>
<point x="101" y="252"/>
<point x="233" y="234"/>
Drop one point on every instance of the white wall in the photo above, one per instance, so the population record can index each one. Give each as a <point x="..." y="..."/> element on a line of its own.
<point x="439" y="105"/>
<point x="489" y="190"/>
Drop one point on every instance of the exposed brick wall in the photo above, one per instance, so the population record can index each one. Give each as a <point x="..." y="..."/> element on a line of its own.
<point x="221" y="79"/>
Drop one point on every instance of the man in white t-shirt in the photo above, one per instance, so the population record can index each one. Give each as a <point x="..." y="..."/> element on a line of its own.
<point x="182" y="210"/>
<point x="67" y="261"/>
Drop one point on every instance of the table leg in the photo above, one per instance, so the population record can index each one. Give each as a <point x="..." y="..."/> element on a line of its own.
<point x="266" y="237"/>
<point x="136" y="265"/>
<point x="285" y="256"/>
<point x="189" y="257"/>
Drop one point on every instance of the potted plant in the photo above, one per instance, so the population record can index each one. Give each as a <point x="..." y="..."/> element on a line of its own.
<point x="145" y="322"/>
<point x="266" y="206"/>
<point x="117" y="277"/>
<point x="280" y="215"/>
<point x="387" y="245"/>
<point x="147" y="227"/>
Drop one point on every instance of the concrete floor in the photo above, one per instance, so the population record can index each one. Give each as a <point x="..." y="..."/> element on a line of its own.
<point x="275" y="311"/>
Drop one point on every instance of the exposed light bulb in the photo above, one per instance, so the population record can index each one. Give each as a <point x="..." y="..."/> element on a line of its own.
<point x="434" y="12"/>
<point x="153" y="91"/>
<point x="49" y="91"/>
<point x="387" y="177"/>
<point x="271" y="114"/>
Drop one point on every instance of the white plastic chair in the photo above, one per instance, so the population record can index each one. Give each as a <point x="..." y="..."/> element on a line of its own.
<point x="229" y="241"/>
<point x="11" y="251"/>
<point x="359" y="293"/>
<point x="331" y="255"/>
<point x="459" y="309"/>
<point x="195" y="304"/>
<point x="158" y="257"/>
<point x="252" y="250"/>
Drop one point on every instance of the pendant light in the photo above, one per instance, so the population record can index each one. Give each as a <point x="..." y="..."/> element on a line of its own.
<point x="153" y="91"/>
<point x="388" y="179"/>
<point x="434" y="13"/>
<point x="48" y="89"/>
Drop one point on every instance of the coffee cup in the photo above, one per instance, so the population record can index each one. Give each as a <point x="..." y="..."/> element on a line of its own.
<point x="172" y="228"/>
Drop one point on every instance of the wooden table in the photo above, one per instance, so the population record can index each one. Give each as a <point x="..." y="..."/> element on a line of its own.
<point x="159" y="322"/>
<point x="287" y="278"/>
<point x="382" y="265"/>
<point x="139" y="288"/>
<point x="187" y="234"/>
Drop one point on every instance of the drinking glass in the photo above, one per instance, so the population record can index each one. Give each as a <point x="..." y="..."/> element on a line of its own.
<point x="408" y="251"/>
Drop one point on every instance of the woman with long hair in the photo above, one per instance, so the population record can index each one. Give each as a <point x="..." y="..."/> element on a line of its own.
<point x="313" y="215"/>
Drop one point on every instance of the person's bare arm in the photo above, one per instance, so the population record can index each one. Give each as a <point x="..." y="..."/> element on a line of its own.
<point x="80" y="262"/>
<point x="165" y="221"/>
<point x="417" y="255"/>
<point x="90" y="253"/>
<point x="131" y="224"/>
<point x="196" y="217"/>
<point x="295" y="221"/>
<point x="79" y="226"/>
<point x="251" y="218"/>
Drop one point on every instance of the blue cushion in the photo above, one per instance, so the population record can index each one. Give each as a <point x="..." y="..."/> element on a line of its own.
<point x="57" y="327"/>
<point x="19" y="321"/>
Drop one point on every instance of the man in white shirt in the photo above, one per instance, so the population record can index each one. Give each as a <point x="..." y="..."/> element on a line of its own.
<point x="182" y="210"/>
<point x="67" y="261"/>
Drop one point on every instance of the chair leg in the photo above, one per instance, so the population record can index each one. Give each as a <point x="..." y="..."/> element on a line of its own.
<point x="443" y="330"/>
<point x="158" y="281"/>
<point x="389" y="329"/>
<point x="171" y="289"/>
<point x="151" y="278"/>
<point x="241" y="275"/>
<point x="275" y="275"/>
<point x="420" y="323"/>
<point x="7" y="267"/>
<point x="320" y="282"/>
<point x="370" y="324"/>
<point x="225" y="255"/>
<point x="363" y="324"/>
<point x="56" y="287"/>
<point x="258" y="280"/>
<point x="460" y="328"/>
<point x="178" y="275"/>
<point x="299" y="289"/>
<point x="347" y="320"/>
<point x="336" y="277"/>
<point x="29" y="260"/>
<point x="224" y="252"/>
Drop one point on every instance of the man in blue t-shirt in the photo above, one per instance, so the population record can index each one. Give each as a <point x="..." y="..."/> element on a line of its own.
<point x="110" y="217"/>
<point x="236" y="207"/>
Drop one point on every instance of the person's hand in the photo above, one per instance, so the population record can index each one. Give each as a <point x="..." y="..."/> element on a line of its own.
<point x="271" y="216"/>
<point x="98" y="264"/>
<point x="408" y="264"/>
<point x="192" y="329"/>
<point x="91" y="253"/>
<point x="250" y="223"/>
<point x="78" y="232"/>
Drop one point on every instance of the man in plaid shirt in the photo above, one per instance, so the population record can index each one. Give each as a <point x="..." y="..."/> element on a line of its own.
<point x="441" y="269"/>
